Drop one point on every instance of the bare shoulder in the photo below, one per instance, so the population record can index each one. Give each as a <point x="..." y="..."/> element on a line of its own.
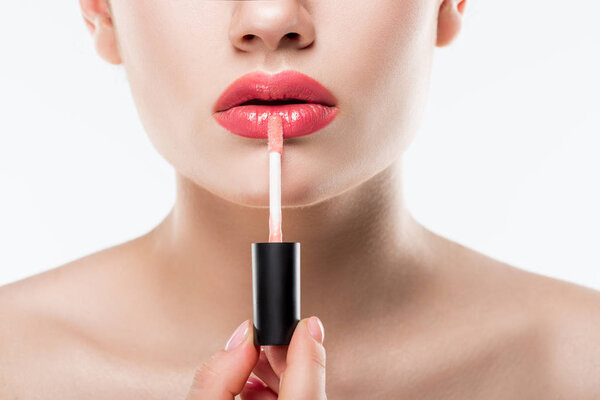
<point x="562" y="317"/>
<point x="572" y="316"/>
<point x="52" y="293"/>
<point x="46" y="320"/>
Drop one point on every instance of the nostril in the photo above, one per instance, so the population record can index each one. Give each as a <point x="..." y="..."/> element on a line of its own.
<point x="248" y="36"/>
<point x="292" y="35"/>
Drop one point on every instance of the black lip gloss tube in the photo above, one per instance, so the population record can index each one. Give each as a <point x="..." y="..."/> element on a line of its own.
<point x="275" y="292"/>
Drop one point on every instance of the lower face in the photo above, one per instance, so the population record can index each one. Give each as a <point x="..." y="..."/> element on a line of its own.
<point x="375" y="58"/>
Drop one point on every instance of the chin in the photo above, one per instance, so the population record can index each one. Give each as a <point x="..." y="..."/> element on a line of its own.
<point x="294" y="194"/>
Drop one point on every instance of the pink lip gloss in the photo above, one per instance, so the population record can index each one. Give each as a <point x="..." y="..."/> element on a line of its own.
<point x="275" y="264"/>
<point x="275" y="148"/>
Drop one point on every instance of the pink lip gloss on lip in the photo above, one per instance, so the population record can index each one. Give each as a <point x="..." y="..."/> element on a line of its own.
<point x="313" y="106"/>
<point x="275" y="264"/>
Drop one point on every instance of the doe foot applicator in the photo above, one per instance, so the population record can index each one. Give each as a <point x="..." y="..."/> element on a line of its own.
<point x="275" y="264"/>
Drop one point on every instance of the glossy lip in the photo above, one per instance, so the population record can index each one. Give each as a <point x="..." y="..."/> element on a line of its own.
<point x="298" y="119"/>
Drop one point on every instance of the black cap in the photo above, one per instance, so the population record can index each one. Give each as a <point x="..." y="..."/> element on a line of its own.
<point x="275" y="291"/>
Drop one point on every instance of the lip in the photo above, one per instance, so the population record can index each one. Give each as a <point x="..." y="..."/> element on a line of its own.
<point x="298" y="119"/>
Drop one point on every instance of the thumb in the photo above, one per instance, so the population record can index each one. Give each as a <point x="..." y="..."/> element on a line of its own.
<point x="224" y="374"/>
<point x="304" y="374"/>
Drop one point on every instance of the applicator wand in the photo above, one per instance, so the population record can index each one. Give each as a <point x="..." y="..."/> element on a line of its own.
<point x="275" y="264"/>
<point x="275" y="147"/>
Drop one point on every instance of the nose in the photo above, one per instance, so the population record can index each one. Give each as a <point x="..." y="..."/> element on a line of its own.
<point x="271" y="24"/>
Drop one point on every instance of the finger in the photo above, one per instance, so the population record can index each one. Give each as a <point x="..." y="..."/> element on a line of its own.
<point x="304" y="374"/>
<point x="224" y="374"/>
<point x="276" y="356"/>
<point x="256" y="390"/>
<point x="265" y="372"/>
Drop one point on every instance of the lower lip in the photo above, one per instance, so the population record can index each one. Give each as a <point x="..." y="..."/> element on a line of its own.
<point x="251" y="121"/>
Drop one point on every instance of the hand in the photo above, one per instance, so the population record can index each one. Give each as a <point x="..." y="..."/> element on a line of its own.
<point x="290" y="372"/>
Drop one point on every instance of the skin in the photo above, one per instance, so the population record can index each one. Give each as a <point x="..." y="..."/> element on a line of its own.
<point x="408" y="313"/>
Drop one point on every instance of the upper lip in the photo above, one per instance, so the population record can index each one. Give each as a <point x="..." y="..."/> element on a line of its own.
<point x="284" y="85"/>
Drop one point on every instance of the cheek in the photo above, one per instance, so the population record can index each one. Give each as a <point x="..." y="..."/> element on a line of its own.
<point x="390" y="46"/>
<point x="381" y="43"/>
<point x="379" y="58"/>
<point x="169" y="54"/>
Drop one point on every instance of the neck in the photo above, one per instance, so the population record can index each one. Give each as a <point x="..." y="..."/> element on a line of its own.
<point x="350" y="242"/>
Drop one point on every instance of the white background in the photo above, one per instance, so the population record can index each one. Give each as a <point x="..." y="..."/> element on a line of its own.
<point x="507" y="160"/>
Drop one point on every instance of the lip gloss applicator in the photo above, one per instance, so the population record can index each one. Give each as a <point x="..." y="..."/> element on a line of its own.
<point x="275" y="264"/>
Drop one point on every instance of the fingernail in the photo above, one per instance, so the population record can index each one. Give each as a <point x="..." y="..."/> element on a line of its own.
<point x="253" y="383"/>
<point x="238" y="336"/>
<point x="315" y="326"/>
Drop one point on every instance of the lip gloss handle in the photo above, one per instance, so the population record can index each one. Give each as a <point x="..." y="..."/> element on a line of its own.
<point x="275" y="291"/>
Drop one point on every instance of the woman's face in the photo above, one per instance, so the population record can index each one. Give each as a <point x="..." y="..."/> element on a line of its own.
<point x="374" y="56"/>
